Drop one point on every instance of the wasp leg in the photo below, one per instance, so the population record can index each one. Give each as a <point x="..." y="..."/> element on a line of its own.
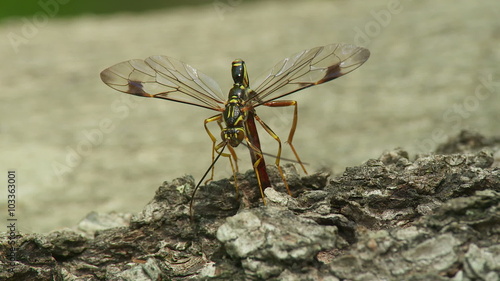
<point x="293" y="103"/>
<point x="234" y="167"/>
<point x="278" y="155"/>
<point x="215" y="149"/>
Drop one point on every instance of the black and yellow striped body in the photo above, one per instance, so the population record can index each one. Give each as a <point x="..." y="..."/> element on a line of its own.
<point x="235" y="114"/>
<point x="240" y="122"/>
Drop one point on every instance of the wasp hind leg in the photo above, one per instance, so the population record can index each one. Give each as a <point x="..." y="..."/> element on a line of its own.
<point x="278" y="155"/>
<point x="293" y="103"/>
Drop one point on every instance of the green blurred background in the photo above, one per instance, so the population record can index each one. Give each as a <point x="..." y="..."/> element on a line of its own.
<point x="10" y="8"/>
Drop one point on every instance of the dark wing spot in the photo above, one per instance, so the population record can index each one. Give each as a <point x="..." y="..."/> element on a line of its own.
<point x="136" y="88"/>
<point x="332" y="72"/>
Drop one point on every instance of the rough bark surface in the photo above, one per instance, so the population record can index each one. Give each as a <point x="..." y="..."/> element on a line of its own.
<point x="434" y="217"/>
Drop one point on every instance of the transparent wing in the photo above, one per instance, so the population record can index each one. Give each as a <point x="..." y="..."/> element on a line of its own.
<point x="307" y="68"/>
<point x="165" y="78"/>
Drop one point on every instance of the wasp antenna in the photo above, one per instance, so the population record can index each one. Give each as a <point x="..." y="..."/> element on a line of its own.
<point x="201" y="180"/>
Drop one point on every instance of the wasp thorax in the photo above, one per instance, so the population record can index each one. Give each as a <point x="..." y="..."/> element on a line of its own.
<point x="237" y="94"/>
<point x="233" y="114"/>
<point x="233" y="136"/>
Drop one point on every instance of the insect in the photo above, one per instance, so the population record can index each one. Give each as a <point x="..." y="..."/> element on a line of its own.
<point x="167" y="78"/>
